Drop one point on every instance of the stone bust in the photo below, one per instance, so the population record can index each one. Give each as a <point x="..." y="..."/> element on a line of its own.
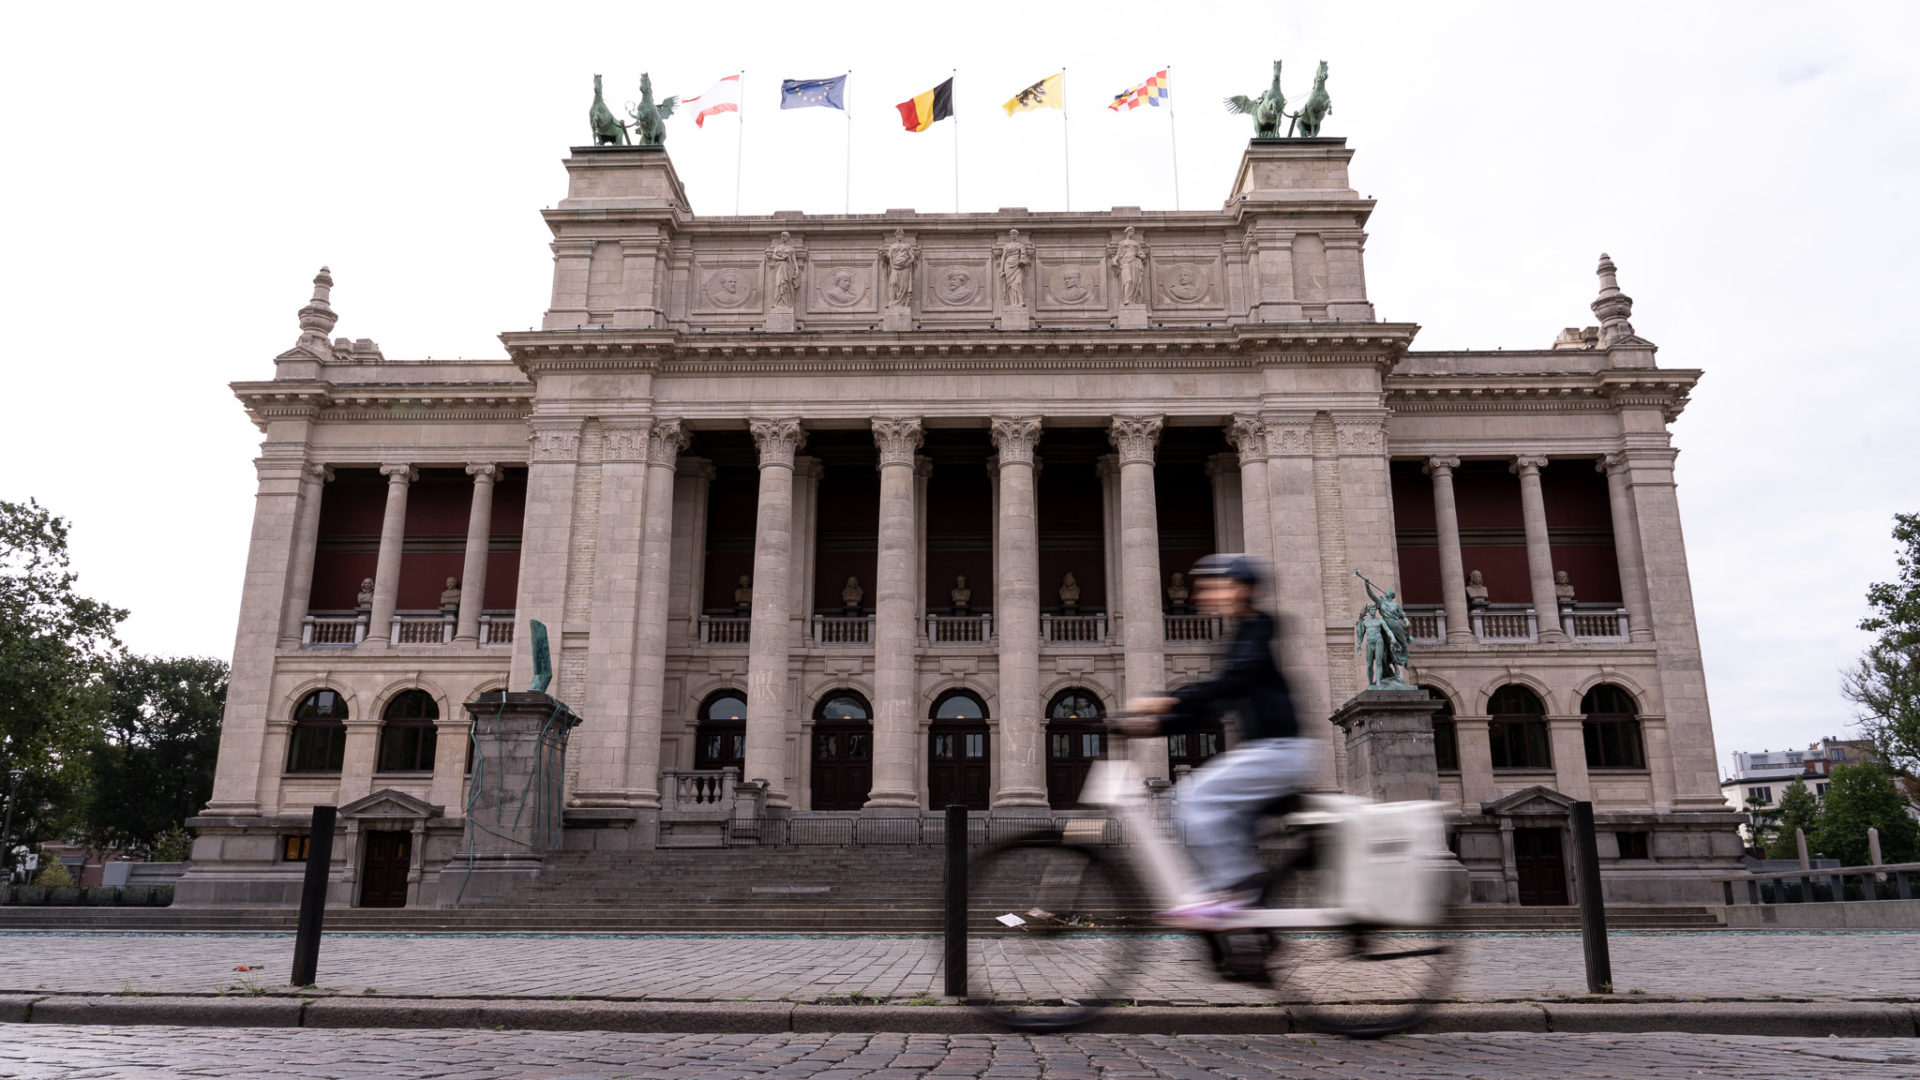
<point x="450" y="597"/>
<point x="1476" y="590"/>
<point x="851" y="595"/>
<point x="1177" y="591"/>
<point x="1563" y="588"/>
<point x="743" y="594"/>
<point x="365" y="599"/>
<point x="960" y="595"/>
<point x="1069" y="591"/>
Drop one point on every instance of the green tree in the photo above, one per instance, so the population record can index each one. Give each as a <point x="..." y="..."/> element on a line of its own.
<point x="1798" y="810"/>
<point x="1860" y="797"/>
<point x="55" y="646"/>
<point x="1885" y="684"/>
<point x="156" y="742"/>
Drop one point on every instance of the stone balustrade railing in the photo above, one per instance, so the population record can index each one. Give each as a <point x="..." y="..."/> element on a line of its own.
<point x="1073" y="629"/>
<point x="960" y="629"/>
<point x="724" y="629"/>
<point x="346" y="629"/>
<point x="421" y="628"/>
<point x="1595" y="625"/>
<point x="1194" y="627"/>
<point x="333" y="630"/>
<point x="1427" y="625"/>
<point x="496" y="628"/>
<point x="1505" y="624"/>
<point x="708" y="791"/>
<point x="843" y="629"/>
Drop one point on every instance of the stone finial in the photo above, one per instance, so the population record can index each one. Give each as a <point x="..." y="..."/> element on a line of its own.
<point x="318" y="318"/>
<point x="1612" y="306"/>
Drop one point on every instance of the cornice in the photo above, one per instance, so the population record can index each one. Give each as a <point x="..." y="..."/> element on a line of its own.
<point x="366" y="402"/>
<point x="1664" y="388"/>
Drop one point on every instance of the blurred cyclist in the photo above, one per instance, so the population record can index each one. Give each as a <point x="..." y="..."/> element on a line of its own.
<point x="1219" y="803"/>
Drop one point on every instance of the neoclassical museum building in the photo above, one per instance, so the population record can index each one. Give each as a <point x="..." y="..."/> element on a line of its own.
<point x="838" y="519"/>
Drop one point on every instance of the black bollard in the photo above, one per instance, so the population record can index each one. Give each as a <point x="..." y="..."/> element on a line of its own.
<point x="313" y="897"/>
<point x="956" y="906"/>
<point x="1593" y="907"/>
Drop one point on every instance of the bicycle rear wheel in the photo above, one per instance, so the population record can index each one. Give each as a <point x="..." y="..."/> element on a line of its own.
<point x="1052" y="933"/>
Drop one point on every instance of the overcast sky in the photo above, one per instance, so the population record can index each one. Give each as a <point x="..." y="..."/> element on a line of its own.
<point x="176" y="173"/>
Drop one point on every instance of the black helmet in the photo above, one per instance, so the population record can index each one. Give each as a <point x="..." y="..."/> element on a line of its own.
<point x="1233" y="566"/>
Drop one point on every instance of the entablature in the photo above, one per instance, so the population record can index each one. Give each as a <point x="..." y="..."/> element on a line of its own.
<point x="423" y="402"/>
<point x="1520" y="392"/>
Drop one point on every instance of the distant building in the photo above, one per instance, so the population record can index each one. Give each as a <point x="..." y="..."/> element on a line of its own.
<point x="1765" y="776"/>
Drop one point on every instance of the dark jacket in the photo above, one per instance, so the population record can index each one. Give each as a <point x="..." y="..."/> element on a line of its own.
<point x="1249" y="685"/>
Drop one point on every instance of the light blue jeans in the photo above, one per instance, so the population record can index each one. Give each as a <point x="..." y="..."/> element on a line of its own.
<point x="1218" y="804"/>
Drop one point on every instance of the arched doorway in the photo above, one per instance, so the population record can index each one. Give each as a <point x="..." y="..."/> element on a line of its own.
<point x="842" y="751"/>
<point x="1076" y="735"/>
<point x="720" y="741"/>
<point x="958" y="768"/>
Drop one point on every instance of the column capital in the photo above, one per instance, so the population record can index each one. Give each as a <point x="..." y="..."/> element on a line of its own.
<point x="1440" y="466"/>
<point x="778" y="439"/>
<point x="624" y="440"/>
<point x="1361" y="434"/>
<point x="897" y="437"/>
<point x="1015" y="437"/>
<point x="1528" y="464"/>
<point x="665" y="440"/>
<point x="1135" y="437"/>
<point x="1246" y="434"/>
<point x="321" y="473"/>
<point x="1611" y="463"/>
<point x="399" y="474"/>
<point x="483" y="472"/>
<point x="554" y="440"/>
<point x="1288" y="436"/>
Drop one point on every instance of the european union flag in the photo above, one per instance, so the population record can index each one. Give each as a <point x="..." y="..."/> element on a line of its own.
<point x="806" y="93"/>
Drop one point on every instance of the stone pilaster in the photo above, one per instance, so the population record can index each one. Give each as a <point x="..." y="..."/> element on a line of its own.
<point x="1453" y="575"/>
<point x="360" y="756"/>
<point x="664" y="444"/>
<point x="1134" y="439"/>
<point x="896" y="727"/>
<point x="473" y="580"/>
<point x="393" y="538"/>
<point x="602" y="759"/>
<point x="1567" y="738"/>
<point x="770" y="633"/>
<point x="1533" y="514"/>
<point x="1366" y="511"/>
<point x="546" y="539"/>
<point x="1023" y="779"/>
<point x="1294" y="513"/>
<point x="1474" y="741"/>
<point x="306" y="539"/>
<point x="1626" y="546"/>
<point x="1224" y="471"/>
<point x="1248" y="437"/>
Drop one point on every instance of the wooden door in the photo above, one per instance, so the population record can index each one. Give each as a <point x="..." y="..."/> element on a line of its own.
<point x="842" y="765"/>
<point x="1071" y="750"/>
<point x="958" y="767"/>
<point x="1542" y="868"/>
<point x="383" y="870"/>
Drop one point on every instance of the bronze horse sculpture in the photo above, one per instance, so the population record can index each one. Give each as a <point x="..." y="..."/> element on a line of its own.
<point x="1318" y="106"/>
<point x="649" y="120"/>
<point x="1266" y="110"/>
<point x="607" y="131"/>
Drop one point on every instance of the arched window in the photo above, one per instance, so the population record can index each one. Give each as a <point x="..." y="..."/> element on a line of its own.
<point x="1518" y="729"/>
<point x="1446" y="743"/>
<point x="842" y="751"/>
<point x="1612" y="729"/>
<point x="407" y="734"/>
<point x="959" y="705"/>
<point x="1075" y="704"/>
<point x="959" y="770"/>
<point x="1076" y="736"/>
<point x="720" y="741"/>
<point x="845" y="705"/>
<point x="319" y="742"/>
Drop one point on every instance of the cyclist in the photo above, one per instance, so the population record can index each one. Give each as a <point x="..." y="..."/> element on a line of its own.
<point x="1219" y="803"/>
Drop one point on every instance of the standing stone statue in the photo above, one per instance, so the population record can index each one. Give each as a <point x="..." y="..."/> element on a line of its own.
<point x="450" y="597"/>
<point x="606" y="129"/>
<point x="743" y="595"/>
<point x="1014" y="257"/>
<point x="365" y="599"/>
<point x="783" y="265"/>
<point x="1130" y="262"/>
<point x="649" y="120"/>
<point x="899" y="255"/>
<point x="1383" y="638"/>
<point x="960" y="596"/>
<point x="1318" y="106"/>
<point x="851" y="595"/>
<point x="1266" y="110"/>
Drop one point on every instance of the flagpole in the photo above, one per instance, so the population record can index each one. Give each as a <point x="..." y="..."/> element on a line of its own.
<point x="1066" y="153"/>
<point x="1173" y="138"/>
<point x="739" y="138"/>
<point x="956" y="143"/>
<point x="847" y="206"/>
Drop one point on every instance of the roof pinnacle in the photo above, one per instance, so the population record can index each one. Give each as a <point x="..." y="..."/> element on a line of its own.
<point x="317" y="318"/>
<point x="1612" y="306"/>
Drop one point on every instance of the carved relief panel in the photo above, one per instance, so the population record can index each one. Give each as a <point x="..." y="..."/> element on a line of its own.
<point x="1185" y="282"/>
<point x="956" y="281"/>
<point x="725" y="286"/>
<point x="843" y="284"/>
<point x="1073" y="280"/>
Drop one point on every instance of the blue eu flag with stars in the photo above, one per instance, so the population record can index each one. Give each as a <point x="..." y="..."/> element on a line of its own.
<point x="806" y="93"/>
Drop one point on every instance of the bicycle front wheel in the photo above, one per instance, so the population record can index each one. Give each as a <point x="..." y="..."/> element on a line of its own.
<point x="1052" y="933"/>
<point x="1362" y="982"/>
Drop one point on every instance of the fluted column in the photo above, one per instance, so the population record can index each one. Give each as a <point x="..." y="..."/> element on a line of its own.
<point x="664" y="444"/>
<point x="1023" y="778"/>
<point x="1248" y="437"/>
<point x="769" y="633"/>
<point x="393" y="536"/>
<point x="306" y="539"/>
<point x="1134" y="439"/>
<point x="1533" y="514"/>
<point x="1453" y="574"/>
<point x="896" y="724"/>
<point x="1626" y="547"/>
<point x="473" y="570"/>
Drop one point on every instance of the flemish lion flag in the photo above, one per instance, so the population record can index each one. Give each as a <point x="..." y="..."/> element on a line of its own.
<point x="1048" y="93"/>
<point x="920" y="112"/>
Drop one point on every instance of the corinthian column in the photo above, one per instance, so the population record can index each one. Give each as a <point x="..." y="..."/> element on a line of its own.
<point x="1134" y="439"/>
<point x="769" y="631"/>
<point x="896" y="724"/>
<point x="393" y="536"/>
<point x="1249" y="438"/>
<point x="306" y="537"/>
<point x="664" y="443"/>
<point x="1023" y="780"/>
<point x="1453" y="574"/>
<point x="473" y="571"/>
<point x="1533" y="513"/>
<point x="1626" y="547"/>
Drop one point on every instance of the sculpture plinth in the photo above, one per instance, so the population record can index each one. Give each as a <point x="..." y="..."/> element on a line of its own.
<point x="779" y="322"/>
<point x="1015" y="318"/>
<point x="893" y="317"/>
<point x="1389" y="737"/>
<point x="1131" y="317"/>
<point x="514" y="796"/>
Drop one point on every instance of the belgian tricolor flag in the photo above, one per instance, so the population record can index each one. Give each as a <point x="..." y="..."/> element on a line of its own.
<point x="936" y="104"/>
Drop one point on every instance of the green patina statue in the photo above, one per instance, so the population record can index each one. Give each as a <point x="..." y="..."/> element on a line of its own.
<point x="649" y="120"/>
<point x="1383" y="639"/>
<point x="607" y="131"/>
<point x="1316" y="109"/>
<point x="542" y="657"/>
<point x="1266" y="110"/>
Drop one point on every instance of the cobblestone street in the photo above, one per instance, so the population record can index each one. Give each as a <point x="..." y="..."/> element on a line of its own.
<point x="86" y="1053"/>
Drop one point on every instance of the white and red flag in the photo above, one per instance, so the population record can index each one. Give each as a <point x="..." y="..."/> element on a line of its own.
<point x="721" y="97"/>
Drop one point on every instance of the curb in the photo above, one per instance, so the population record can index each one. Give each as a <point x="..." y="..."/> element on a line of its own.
<point x="1850" y="1019"/>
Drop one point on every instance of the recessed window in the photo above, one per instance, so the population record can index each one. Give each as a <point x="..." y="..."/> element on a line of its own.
<point x="1635" y="845"/>
<point x="408" y="735"/>
<point x="319" y="739"/>
<point x="721" y="740"/>
<point x="1517" y="730"/>
<point x="1446" y="741"/>
<point x="294" y="848"/>
<point x="1611" y="729"/>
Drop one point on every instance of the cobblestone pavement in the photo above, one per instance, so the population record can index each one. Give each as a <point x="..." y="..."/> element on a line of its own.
<point x="87" y="1053"/>
<point x="1841" y="966"/>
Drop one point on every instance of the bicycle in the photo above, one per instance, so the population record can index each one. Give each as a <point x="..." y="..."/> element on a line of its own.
<point x="1061" y="922"/>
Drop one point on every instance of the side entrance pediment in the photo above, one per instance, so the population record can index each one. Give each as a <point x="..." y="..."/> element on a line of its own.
<point x="388" y="803"/>
<point x="1536" y="800"/>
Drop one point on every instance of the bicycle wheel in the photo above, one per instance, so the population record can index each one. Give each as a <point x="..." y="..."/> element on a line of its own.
<point x="1051" y="933"/>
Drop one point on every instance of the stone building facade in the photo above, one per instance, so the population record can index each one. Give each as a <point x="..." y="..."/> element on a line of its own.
<point x="852" y="516"/>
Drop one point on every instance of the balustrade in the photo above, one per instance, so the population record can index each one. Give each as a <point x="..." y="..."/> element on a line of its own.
<point x="843" y="629"/>
<point x="421" y="628"/>
<point x="1595" y="625"/>
<point x="698" y="789"/>
<point x="1427" y="625"/>
<point x="725" y="629"/>
<point x="496" y="628"/>
<point x="1193" y="627"/>
<point x="333" y="630"/>
<point x="960" y="629"/>
<point x="1505" y="624"/>
<point x="1073" y="629"/>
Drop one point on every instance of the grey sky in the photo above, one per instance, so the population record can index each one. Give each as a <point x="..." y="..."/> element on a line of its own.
<point x="176" y="174"/>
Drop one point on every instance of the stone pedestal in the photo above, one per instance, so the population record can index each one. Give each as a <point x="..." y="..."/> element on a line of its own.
<point x="1015" y="318"/>
<point x="1389" y="737"/>
<point x="896" y="318"/>
<point x="1131" y="317"/>
<point x="514" y="803"/>
<point x="779" y="322"/>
